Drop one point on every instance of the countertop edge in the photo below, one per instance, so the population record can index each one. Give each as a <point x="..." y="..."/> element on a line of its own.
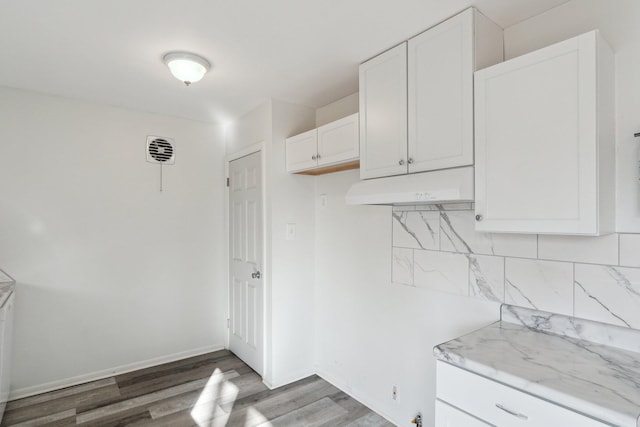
<point x="533" y="388"/>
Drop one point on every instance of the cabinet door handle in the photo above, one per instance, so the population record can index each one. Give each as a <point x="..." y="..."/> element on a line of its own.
<point x="314" y="157"/>
<point x="478" y="217"/>
<point x="401" y="162"/>
<point x="510" y="412"/>
<point x="410" y="160"/>
<point x="318" y="156"/>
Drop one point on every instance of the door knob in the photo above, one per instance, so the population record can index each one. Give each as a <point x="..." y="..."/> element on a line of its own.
<point x="255" y="275"/>
<point x="478" y="217"/>
<point x="314" y="157"/>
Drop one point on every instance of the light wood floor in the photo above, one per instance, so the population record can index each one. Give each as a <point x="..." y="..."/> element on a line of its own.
<point x="215" y="389"/>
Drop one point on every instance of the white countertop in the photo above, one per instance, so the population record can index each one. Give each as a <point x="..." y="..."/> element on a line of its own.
<point x="589" y="367"/>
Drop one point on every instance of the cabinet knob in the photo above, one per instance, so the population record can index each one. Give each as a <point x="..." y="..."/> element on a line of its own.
<point x="314" y="157"/>
<point x="318" y="156"/>
<point x="410" y="160"/>
<point x="478" y="217"/>
<point x="401" y="162"/>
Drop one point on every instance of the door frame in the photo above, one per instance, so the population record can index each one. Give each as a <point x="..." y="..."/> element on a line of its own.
<point x="258" y="147"/>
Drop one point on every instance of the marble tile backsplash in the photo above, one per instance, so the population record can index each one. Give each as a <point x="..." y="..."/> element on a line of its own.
<point x="436" y="247"/>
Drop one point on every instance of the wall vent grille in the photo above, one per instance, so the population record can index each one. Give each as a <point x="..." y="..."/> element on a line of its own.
<point x="161" y="150"/>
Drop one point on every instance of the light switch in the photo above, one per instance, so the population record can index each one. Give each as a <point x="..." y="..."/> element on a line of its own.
<point x="323" y="201"/>
<point x="291" y="231"/>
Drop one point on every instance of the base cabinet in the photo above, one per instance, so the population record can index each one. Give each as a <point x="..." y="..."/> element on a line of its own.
<point x="495" y="403"/>
<point x="448" y="416"/>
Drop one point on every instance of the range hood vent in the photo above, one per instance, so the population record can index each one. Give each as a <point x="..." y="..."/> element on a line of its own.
<point x="443" y="186"/>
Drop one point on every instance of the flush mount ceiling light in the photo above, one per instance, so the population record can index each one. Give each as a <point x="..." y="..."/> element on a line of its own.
<point x="186" y="67"/>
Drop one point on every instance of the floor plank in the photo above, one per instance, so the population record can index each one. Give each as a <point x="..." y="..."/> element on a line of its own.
<point x="68" y="391"/>
<point x="212" y="390"/>
<point x="312" y="415"/>
<point x="42" y="408"/>
<point x="49" y="419"/>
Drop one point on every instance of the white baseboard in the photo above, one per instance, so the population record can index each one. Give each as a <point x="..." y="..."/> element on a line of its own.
<point x="365" y="401"/>
<point x="287" y="380"/>
<point x="336" y="383"/>
<point x="106" y="373"/>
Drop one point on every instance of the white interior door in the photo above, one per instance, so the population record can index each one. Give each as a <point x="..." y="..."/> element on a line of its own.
<point x="246" y="279"/>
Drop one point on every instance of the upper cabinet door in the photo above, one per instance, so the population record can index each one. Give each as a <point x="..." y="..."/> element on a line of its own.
<point x="302" y="151"/>
<point x="338" y="141"/>
<point x="383" y="114"/>
<point x="545" y="141"/>
<point x="441" y="95"/>
<point x="427" y="124"/>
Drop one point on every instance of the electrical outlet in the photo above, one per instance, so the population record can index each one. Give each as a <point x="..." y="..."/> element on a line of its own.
<point x="394" y="392"/>
<point x="291" y="231"/>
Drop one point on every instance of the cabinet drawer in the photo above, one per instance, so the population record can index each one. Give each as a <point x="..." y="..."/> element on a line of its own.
<point x="502" y="405"/>
<point x="448" y="416"/>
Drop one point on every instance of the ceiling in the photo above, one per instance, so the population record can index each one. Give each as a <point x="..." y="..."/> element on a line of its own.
<point x="299" y="51"/>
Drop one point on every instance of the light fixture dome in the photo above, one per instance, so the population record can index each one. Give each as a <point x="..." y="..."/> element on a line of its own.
<point x="186" y="67"/>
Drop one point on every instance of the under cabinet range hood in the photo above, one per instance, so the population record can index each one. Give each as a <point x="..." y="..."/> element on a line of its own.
<point x="443" y="186"/>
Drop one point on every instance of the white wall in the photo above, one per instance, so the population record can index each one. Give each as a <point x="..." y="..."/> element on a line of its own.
<point x="372" y="334"/>
<point x="292" y="260"/>
<point x="336" y="110"/>
<point x="289" y="274"/>
<point x="618" y="22"/>
<point x="110" y="272"/>
<point x="250" y="129"/>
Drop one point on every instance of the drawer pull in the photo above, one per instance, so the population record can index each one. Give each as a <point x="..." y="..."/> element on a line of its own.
<point x="514" y="413"/>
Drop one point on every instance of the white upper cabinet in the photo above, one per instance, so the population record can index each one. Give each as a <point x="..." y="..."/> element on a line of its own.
<point x="334" y="145"/>
<point x="545" y="153"/>
<point x="416" y="100"/>
<point x="338" y="141"/>
<point x="302" y="151"/>
<point x="383" y="114"/>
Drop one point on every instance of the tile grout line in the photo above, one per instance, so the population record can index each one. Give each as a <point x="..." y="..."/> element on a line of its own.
<point x="595" y="264"/>
<point x="504" y="280"/>
<point x="619" y="257"/>
<point x="574" y="290"/>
